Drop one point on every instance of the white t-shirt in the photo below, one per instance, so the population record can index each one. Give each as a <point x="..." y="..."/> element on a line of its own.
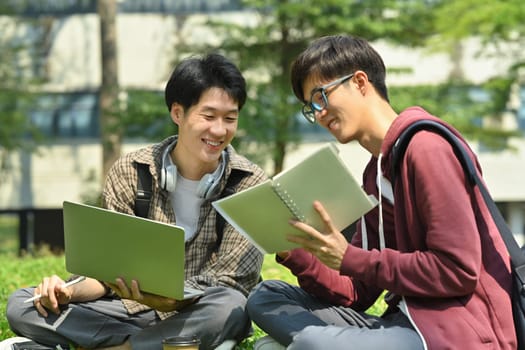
<point x="186" y="205"/>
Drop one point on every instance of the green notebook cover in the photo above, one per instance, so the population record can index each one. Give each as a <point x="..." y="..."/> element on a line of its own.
<point x="105" y="244"/>
<point x="261" y="213"/>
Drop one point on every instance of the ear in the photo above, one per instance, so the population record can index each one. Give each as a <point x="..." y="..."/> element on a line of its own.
<point x="177" y="113"/>
<point x="361" y="81"/>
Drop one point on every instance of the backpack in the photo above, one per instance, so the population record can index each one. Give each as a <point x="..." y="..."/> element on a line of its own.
<point x="517" y="255"/>
<point x="144" y="193"/>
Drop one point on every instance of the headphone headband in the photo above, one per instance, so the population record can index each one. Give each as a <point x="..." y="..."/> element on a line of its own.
<point x="208" y="185"/>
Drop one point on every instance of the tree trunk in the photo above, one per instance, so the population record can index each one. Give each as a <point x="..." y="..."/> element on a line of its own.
<point x="110" y="127"/>
<point x="283" y="125"/>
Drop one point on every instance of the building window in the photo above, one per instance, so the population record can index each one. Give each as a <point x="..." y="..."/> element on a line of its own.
<point x="521" y="109"/>
<point x="36" y="8"/>
<point x="67" y="115"/>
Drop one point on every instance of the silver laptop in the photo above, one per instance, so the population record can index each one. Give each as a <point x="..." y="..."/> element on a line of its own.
<point x="105" y="244"/>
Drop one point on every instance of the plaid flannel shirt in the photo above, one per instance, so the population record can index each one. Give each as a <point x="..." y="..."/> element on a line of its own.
<point x="236" y="263"/>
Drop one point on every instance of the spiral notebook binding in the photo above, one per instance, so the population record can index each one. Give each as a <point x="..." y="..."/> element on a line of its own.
<point x="289" y="202"/>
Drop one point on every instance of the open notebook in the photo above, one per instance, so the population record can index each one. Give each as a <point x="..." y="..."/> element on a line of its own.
<point x="262" y="212"/>
<point x="105" y="244"/>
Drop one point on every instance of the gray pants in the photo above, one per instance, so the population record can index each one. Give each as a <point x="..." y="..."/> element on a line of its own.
<point x="218" y="315"/>
<point x="295" y="318"/>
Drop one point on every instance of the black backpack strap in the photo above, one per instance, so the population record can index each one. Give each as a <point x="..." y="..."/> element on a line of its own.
<point x="400" y="146"/>
<point x="144" y="190"/>
<point x="517" y="256"/>
<point x="231" y="184"/>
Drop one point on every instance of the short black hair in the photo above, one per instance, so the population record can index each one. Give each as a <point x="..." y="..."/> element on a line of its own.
<point x="195" y="75"/>
<point x="331" y="57"/>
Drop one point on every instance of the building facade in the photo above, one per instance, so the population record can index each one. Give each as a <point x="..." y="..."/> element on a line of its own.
<point x="67" y="166"/>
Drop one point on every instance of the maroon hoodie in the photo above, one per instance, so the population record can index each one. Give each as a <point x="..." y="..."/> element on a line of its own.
<point x="443" y="252"/>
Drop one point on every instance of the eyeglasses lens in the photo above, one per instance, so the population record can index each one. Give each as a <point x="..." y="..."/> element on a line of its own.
<point x="309" y="113"/>
<point x="317" y="104"/>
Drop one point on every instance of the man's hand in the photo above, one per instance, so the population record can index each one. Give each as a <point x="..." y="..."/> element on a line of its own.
<point x="53" y="293"/>
<point x="154" y="301"/>
<point x="283" y="255"/>
<point x="329" y="247"/>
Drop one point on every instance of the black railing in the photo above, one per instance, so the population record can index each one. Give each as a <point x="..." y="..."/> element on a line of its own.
<point x="38" y="228"/>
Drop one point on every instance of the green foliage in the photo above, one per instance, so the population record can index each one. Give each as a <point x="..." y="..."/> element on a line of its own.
<point x="266" y="49"/>
<point x="146" y="115"/>
<point x="16" y="131"/>
<point x="9" y="7"/>
<point x="267" y="121"/>
<point x="280" y="29"/>
<point x="16" y="83"/>
<point x="492" y="20"/>
<point x="498" y="25"/>
<point x="18" y="272"/>
<point x="463" y="105"/>
<point x="8" y="234"/>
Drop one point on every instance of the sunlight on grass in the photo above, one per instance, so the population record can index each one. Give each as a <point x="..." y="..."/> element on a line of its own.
<point x="17" y="272"/>
<point x="271" y="270"/>
<point x="8" y="233"/>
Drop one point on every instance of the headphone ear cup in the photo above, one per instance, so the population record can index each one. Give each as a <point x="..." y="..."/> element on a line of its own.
<point x="168" y="170"/>
<point x="205" y="186"/>
<point x="169" y="178"/>
<point x="210" y="183"/>
<point x="163" y="178"/>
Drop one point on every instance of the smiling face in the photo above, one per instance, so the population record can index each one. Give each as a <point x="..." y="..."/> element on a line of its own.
<point x="357" y="108"/>
<point x="342" y="114"/>
<point x="205" y="130"/>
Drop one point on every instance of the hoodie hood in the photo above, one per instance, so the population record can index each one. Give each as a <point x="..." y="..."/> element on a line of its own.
<point x="403" y="120"/>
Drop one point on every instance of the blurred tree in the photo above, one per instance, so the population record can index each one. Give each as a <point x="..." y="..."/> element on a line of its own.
<point x="111" y="127"/>
<point x="18" y="80"/>
<point x="494" y="22"/>
<point x="278" y="31"/>
<point x="146" y="116"/>
<point x="499" y="28"/>
<point x="463" y="105"/>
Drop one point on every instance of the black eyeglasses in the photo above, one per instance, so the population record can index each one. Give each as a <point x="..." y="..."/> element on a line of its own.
<point x="319" y="98"/>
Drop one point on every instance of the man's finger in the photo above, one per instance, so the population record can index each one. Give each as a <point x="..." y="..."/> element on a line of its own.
<point x="325" y="217"/>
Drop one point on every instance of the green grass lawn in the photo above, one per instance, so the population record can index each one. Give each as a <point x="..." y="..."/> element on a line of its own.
<point x="17" y="272"/>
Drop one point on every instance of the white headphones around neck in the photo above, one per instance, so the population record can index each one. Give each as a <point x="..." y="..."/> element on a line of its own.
<point x="208" y="185"/>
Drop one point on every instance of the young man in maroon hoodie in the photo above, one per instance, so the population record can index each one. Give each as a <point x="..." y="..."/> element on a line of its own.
<point x="431" y="241"/>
